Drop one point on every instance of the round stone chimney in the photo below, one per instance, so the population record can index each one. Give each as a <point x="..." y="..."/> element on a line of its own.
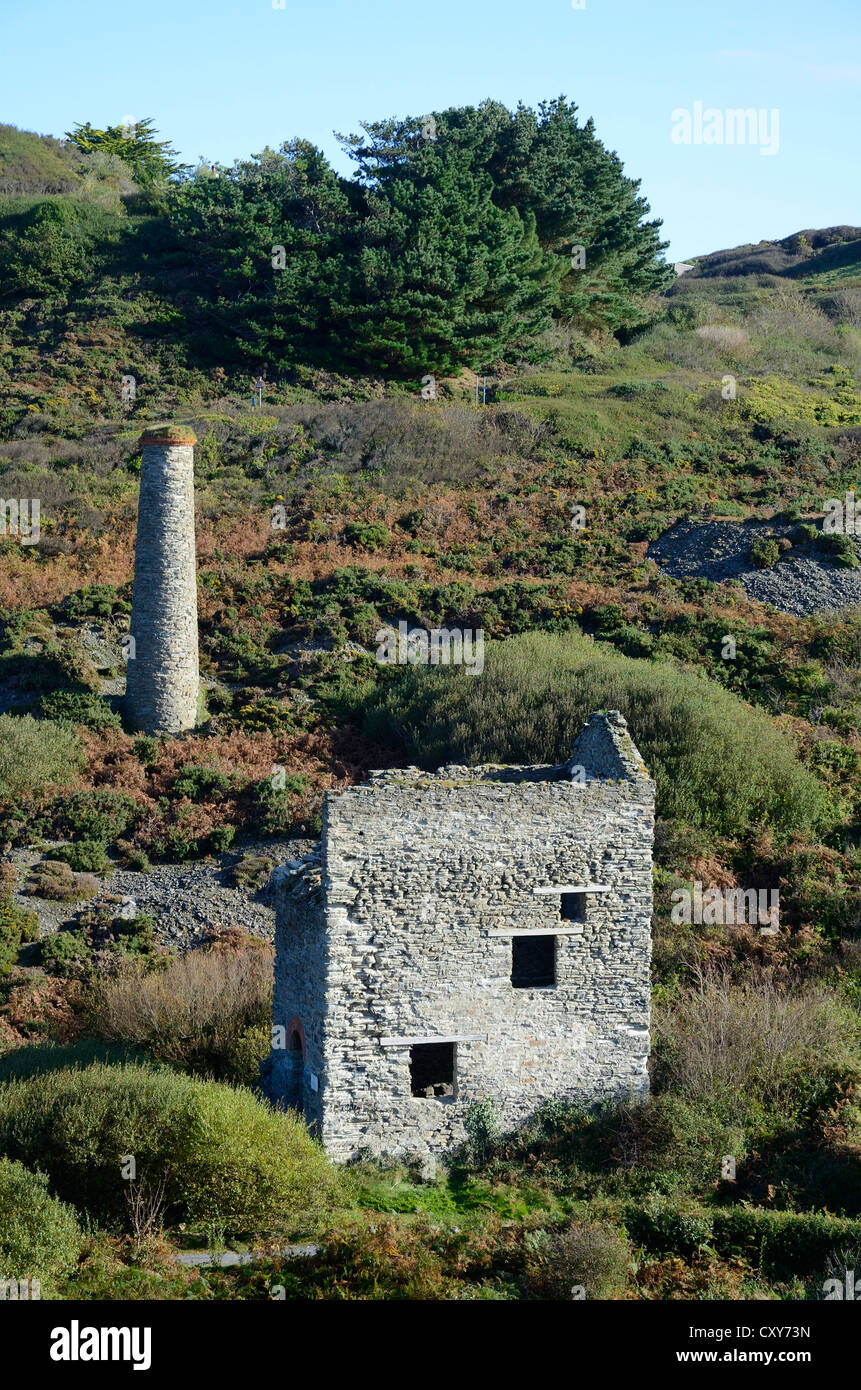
<point x="162" y="673"/>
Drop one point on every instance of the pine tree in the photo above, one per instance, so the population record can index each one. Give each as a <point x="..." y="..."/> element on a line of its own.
<point x="151" y="161"/>
<point x="445" y="278"/>
<point x="545" y="166"/>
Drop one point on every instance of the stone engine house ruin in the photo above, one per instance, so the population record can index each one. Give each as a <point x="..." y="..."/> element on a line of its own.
<point x="467" y="934"/>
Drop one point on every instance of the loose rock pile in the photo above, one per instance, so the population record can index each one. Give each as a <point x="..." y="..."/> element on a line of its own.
<point x="720" y="551"/>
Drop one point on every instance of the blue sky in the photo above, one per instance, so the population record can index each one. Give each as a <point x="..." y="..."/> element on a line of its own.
<point x="223" y="78"/>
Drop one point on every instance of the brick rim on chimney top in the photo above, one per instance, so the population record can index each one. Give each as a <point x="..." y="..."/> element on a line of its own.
<point x="163" y="677"/>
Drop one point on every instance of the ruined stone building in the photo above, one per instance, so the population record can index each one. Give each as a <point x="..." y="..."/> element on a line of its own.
<point x="162" y="679"/>
<point x="467" y="934"/>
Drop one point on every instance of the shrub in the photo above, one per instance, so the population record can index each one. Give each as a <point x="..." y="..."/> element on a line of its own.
<point x="805" y="534"/>
<point x="480" y="1124"/>
<point x="134" y="939"/>
<point x="17" y="925"/>
<point x="54" y="879"/>
<point x="146" y="749"/>
<point x="368" y="535"/>
<point x="252" y="871"/>
<point x="192" y="1013"/>
<point x="756" y="1049"/>
<point x="841" y="549"/>
<point x="133" y="858"/>
<point x="100" y="814"/>
<point x="274" y="809"/>
<point x="73" y="707"/>
<point x="222" y="838"/>
<point x="783" y="1243"/>
<point x="35" y="753"/>
<point x="66" y="953"/>
<point x="726" y="336"/>
<point x="201" y="783"/>
<point x="590" y="1254"/>
<point x="764" y="553"/>
<point x="85" y="856"/>
<point x="39" y="1237"/>
<point x="246" y="1052"/>
<point x="226" y="1158"/>
<point x="94" y="601"/>
<point x="662" y="1226"/>
<point x="717" y="763"/>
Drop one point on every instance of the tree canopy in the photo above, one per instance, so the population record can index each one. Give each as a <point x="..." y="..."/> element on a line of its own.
<point x="151" y="161"/>
<point x="459" y="240"/>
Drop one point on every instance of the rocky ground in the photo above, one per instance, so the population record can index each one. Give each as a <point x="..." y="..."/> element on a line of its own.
<point x="799" y="583"/>
<point x="186" y="900"/>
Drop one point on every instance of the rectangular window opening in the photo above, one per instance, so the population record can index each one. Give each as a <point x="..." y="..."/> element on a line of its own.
<point x="432" y="1069"/>
<point x="533" y="961"/>
<point x="572" y="907"/>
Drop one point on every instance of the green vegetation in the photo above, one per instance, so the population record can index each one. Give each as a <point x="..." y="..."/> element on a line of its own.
<point x="454" y="250"/>
<point x="33" y="753"/>
<point x="79" y="707"/>
<point x="150" y="161"/>
<point x="39" y="1237"/>
<point x="55" y="879"/>
<point x="764" y="552"/>
<point x="226" y="1159"/>
<point x="208" y="1012"/>
<point x="606" y="394"/>
<point x="17" y="926"/>
<point x="717" y="763"/>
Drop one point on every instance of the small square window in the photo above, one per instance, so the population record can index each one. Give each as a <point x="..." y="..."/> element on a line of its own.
<point x="432" y="1069"/>
<point x="572" y="907"/>
<point x="533" y="961"/>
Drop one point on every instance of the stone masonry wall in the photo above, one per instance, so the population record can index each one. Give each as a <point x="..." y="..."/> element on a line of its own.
<point x="398" y="941"/>
<point x="162" y="678"/>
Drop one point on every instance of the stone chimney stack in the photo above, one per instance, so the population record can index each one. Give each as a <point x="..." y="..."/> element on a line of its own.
<point x="163" y="679"/>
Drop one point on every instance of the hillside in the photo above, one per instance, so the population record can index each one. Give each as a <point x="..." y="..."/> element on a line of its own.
<point x="37" y="164"/>
<point x="807" y="255"/>
<point x="541" y="517"/>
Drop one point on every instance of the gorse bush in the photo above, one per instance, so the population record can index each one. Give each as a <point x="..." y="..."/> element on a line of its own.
<point x="39" y="1236"/>
<point x="97" y="814"/>
<point x="77" y="707"/>
<point x="17" y="925"/>
<point x="201" y="783"/>
<point x="717" y="762"/>
<point x="764" y="553"/>
<point x="226" y="1158"/>
<point x="779" y="1243"/>
<point x="659" y="1143"/>
<point x="66" y="953"/>
<point x="85" y="856"/>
